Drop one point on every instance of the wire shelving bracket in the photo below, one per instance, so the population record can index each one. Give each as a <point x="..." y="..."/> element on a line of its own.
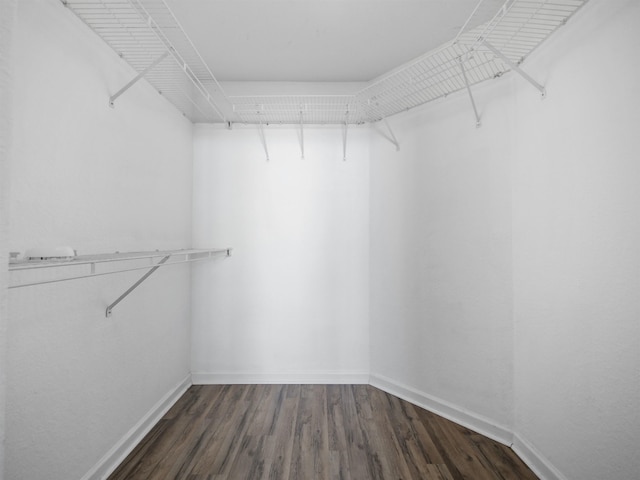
<point x="141" y="75"/>
<point x="123" y="262"/>
<point x="263" y="138"/>
<point x="392" y="138"/>
<point x="516" y="68"/>
<point x="466" y="83"/>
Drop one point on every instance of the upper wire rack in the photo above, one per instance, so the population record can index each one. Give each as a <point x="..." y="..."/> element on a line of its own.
<point x="141" y="31"/>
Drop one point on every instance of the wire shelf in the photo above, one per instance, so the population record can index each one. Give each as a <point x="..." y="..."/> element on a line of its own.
<point x="517" y="29"/>
<point x="85" y="266"/>
<point x="286" y="109"/>
<point x="141" y="31"/>
<point x="30" y="273"/>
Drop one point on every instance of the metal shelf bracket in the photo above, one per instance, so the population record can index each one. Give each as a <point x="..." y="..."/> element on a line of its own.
<point x="515" y="68"/>
<point x="393" y="138"/>
<point x="133" y="81"/>
<point x="301" y="133"/>
<point x="466" y="82"/>
<point x="135" y="285"/>
<point x="160" y="263"/>
<point x="264" y="140"/>
<point x="345" y="126"/>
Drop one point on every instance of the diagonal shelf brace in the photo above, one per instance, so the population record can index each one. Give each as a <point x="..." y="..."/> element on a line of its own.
<point x="135" y="285"/>
<point x="113" y="97"/>
<point x="301" y="134"/>
<point x="515" y="68"/>
<point x="466" y="82"/>
<point x="345" y="126"/>
<point x="393" y="138"/>
<point x="264" y="140"/>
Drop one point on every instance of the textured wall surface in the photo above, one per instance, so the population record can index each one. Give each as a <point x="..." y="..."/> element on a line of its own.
<point x="7" y="12"/>
<point x="292" y="303"/>
<point x="100" y="180"/>
<point x="441" y="255"/>
<point x="513" y="289"/>
<point x="576" y="236"/>
<point x="493" y="271"/>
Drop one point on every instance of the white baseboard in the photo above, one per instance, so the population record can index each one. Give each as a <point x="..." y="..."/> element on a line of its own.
<point x="318" y="378"/>
<point x="541" y="466"/>
<point x="110" y="461"/>
<point x="537" y="462"/>
<point x="459" y="415"/>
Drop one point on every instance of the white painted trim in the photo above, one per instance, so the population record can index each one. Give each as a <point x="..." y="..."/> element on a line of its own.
<point x="318" y="378"/>
<point x="110" y="461"/>
<point x="540" y="465"/>
<point x="455" y="413"/>
<point x="537" y="462"/>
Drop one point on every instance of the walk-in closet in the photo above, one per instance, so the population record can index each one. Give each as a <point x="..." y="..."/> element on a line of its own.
<point x="319" y="239"/>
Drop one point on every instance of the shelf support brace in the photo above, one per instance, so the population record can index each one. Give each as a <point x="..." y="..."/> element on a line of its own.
<point x="135" y="285"/>
<point x="113" y="97"/>
<point x="301" y="135"/>
<point x="393" y="138"/>
<point x="344" y="135"/>
<point x="466" y="82"/>
<point x="515" y="68"/>
<point x="264" y="140"/>
<point x="344" y="141"/>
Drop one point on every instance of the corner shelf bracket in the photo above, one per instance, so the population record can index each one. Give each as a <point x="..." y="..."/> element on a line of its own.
<point x="133" y="81"/>
<point x="515" y="68"/>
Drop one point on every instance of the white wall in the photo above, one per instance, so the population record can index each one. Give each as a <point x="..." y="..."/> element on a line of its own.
<point x="490" y="274"/>
<point x="100" y="180"/>
<point x="441" y="259"/>
<point x="291" y="304"/>
<point x="7" y="12"/>
<point x="511" y="297"/>
<point x="577" y="248"/>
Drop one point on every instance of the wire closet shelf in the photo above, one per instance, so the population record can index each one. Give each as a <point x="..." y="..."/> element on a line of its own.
<point x="31" y="272"/>
<point x="86" y="266"/>
<point x="148" y="36"/>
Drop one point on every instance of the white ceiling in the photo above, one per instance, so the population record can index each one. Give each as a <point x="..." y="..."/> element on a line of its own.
<point x="320" y="40"/>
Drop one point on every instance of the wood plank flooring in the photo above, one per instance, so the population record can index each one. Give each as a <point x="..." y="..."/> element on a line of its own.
<point x="299" y="432"/>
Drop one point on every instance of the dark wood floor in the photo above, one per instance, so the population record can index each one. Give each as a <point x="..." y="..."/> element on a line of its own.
<point x="297" y="432"/>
